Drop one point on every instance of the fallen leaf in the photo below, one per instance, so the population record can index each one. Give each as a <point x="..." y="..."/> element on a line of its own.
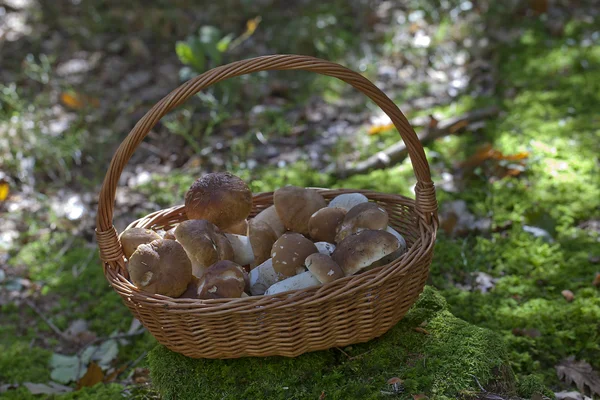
<point x="78" y="332"/>
<point x="4" y="190"/>
<point x="50" y="388"/>
<point x="568" y="295"/>
<point x="92" y="376"/>
<point x="322" y="396"/>
<point x="64" y="368"/>
<point x="421" y="330"/>
<point x="77" y="101"/>
<point x="106" y="353"/>
<point x="419" y="396"/>
<point x="140" y="375"/>
<point x="580" y="373"/>
<point x="596" y="280"/>
<point x="377" y="129"/>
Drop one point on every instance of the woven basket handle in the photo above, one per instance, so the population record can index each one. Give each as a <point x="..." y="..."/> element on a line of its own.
<point x="110" y="249"/>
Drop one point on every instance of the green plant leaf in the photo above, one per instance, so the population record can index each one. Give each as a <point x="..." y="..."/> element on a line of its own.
<point x="184" y="52"/>
<point x="223" y="44"/>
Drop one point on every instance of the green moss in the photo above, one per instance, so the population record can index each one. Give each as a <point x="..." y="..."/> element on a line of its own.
<point x="20" y="363"/>
<point x="98" y="392"/>
<point x="532" y="384"/>
<point x="440" y="364"/>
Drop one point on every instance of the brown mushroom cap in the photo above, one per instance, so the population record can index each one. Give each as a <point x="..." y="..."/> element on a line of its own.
<point x="191" y="292"/>
<point x="261" y="238"/>
<point x="289" y="253"/>
<point x="160" y="267"/>
<point x="323" y="224"/>
<point x="295" y="205"/>
<point x="360" y="217"/>
<point x="131" y="238"/>
<point x="241" y="228"/>
<point x="224" y="279"/>
<point x="323" y="267"/>
<point x="221" y="198"/>
<point x="204" y="243"/>
<point x="270" y="217"/>
<point x="362" y="249"/>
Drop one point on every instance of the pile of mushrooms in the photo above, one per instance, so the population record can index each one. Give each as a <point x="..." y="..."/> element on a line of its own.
<point x="299" y="242"/>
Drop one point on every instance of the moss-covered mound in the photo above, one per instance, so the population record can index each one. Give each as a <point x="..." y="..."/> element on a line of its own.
<point x="441" y="360"/>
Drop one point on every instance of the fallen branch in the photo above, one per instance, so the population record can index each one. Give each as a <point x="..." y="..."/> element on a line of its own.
<point x="398" y="151"/>
<point x="54" y="328"/>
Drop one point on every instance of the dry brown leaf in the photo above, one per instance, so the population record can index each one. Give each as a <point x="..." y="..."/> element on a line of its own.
<point x="322" y="396"/>
<point x="377" y="129"/>
<point x="419" y="396"/>
<point x="92" y="376"/>
<point x="580" y="373"/>
<point x="596" y="280"/>
<point x="77" y="101"/>
<point x="140" y="375"/>
<point x="568" y="295"/>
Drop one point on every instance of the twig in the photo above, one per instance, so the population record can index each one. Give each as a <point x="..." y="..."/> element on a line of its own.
<point x="398" y="151"/>
<point x="47" y="321"/>
<point x="350" y="358"/>
<point x="478" y="384"/>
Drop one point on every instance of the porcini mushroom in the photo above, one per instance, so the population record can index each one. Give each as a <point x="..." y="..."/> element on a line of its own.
<point x="204" y="243"/>
<point x="325" y="248"/>
<point x="241" y="228"/>
<point x="362" y="249"/>
<point x="401" y="250"/>
<point x="131" y="238"/>
<point x="242" y="248"/>
<point x="360" y="217"/>
<point x="323" y="224"/>
<point x="323" y="267"/>
<point x="262" y="277"/>
<point x="160" y="267"/>
<point x="289" y="252"/>
<point x="224" y="279"/>
<point x="170" y="234"/>
<point x="300" y="281"/>
<point x="348" y="200"/>
<point x="270" y="217"/>
<point x="221" y="198"/>
<point x="261" y="237"/>
<point x="295" y="205"/>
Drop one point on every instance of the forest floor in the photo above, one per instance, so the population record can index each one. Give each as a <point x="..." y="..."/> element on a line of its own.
<point x="519" y="191"/>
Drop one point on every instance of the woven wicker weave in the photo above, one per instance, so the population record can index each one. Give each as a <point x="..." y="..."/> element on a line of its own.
<point x="350" y="310"/>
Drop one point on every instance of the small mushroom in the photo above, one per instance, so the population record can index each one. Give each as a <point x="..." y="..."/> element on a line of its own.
<point x="131" y="238"/>
<point x="191" y="292"/>
<point x="295" y="205"/>
<point x="323" y="267"/>
<point x="242" y="248"/>
<point x="261" y="237"/>
<point x="348" y="200"/>
<point x="204" y="243"/>
<point x="297" y="282"/>
<point x="222" y="280"/>
<point x="160" y="267"/>
<point x="262" y="277"/>
<point x="362" y="249"/>
<point x="360" y="217"/>
<point x="323" y="224"/>
<point x="241" y="228"/>
<point x="325" y="248"/>
<point x="270" y="217"/>
<point x="221" y="198"/>
<point x="289" y="252"/>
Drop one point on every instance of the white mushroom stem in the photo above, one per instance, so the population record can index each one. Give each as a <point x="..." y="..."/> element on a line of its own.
<point x="242" y="249"/>
<point x="325" y="248"/>
<point x="262" y="277"/>
<point x="296" y="282"/>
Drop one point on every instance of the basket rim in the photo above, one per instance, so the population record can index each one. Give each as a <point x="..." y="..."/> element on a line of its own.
<point x="345" y="286"/>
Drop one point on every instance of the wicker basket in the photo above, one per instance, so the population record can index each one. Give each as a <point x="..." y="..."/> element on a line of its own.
<point x="351" y="310"/>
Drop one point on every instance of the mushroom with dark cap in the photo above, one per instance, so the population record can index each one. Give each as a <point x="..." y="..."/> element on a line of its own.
<point x="221" y="198"/>
<point x="261" y="237"/>
<point x="323" y="224"/>
<point x="222" y="280"/>
<point x="289" y="252"/>
<point x="361" y="217"/>
<point x="295" y="205"/>
<point x="241" y="228"/>
<point x="160" y="267"/>
<point x="362" y="249"/>
<point x="270" y="217"/>
<point x="204" y="243"/>
<point x="131" y="238"/>
<point x="323" y="267"/>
